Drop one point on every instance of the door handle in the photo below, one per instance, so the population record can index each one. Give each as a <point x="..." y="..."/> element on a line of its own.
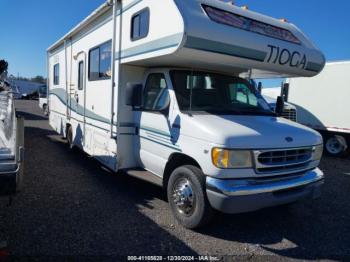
<point x="76" y="96"/>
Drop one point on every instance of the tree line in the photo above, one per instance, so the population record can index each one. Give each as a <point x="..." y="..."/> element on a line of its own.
<point x="4" y="68"/>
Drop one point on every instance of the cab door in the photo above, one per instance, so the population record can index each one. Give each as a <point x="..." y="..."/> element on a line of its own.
<point x="155" y="138"/>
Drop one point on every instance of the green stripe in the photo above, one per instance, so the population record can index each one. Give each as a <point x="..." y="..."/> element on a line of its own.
<point x="152" y="46"/>
<point x="223" y="48"/>
<point x="104" y="129"/>
<point x="314" y="67"/>
<point x="161" y="139"/>
<point x="157" y="142"/>
<point x="60" y="93"/>
<point x="150" y="129"/>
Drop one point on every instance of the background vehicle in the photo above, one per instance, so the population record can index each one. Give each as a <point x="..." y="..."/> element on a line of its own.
<point x="289" y="110"/>
<point x="322" y="104"/>
<point x="169" y="103"/>
<point x="43" y="99"/>
<point x="11" y="143"/>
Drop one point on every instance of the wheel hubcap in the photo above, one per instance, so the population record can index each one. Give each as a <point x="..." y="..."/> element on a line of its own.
<point x="334" y="146"/>
<point x="183" y="197"/>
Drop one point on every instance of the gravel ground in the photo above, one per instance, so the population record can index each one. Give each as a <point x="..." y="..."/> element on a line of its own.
<point x="71" y="206"/>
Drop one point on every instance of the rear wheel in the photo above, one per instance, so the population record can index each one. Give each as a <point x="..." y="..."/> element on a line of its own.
<point x="336" y="145"/>
<point x="187" y="197"/>
<point x="70" y="137"/>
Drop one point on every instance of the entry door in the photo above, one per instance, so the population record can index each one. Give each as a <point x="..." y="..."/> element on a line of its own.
<point x="79" y="102"/>
<point x="154" y="131"/>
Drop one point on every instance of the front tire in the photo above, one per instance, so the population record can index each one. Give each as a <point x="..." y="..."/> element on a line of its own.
<point x="187" y="197"/>
<point x="46" y="110"/>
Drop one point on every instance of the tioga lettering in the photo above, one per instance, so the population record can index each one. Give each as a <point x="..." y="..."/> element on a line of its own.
<point x="286" y="57"/>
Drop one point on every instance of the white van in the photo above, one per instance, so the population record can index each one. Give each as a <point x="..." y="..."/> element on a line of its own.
<point x="157" y="89"/>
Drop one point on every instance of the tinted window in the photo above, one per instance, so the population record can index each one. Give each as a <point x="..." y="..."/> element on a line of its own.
<point x="156" y="95"/>
<point x="81" y="75"/>
<point x="140" y="25"/>
<point x="105" y="60"/>
<point x="214" y="93"/>
<point x="241" y="93"/>
<point x="56" y="74"/>
<point x="100" y="62"/>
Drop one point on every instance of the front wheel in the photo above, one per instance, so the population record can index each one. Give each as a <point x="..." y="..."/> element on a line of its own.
<point x="187" y="197"/>
<point x="46" y="110"/>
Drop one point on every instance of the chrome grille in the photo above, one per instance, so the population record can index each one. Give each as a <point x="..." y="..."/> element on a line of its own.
<point x="290" y="114"/>
<point x="282" y="160"/>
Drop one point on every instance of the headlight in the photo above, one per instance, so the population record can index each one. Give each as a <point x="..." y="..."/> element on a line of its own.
<point x="317" y="152"/>
<point x="224" y="158"/>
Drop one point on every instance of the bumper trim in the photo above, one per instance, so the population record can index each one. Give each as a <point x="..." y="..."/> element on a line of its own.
<point x="246" y="187"/>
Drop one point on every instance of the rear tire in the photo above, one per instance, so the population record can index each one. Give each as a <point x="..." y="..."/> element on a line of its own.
<point x="336" y="145"/>
<point x="187" y="197"/>
<point x="70" y="138"/>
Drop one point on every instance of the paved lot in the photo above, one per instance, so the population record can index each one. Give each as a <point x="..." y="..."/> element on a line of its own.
<point x="71" y="206"/>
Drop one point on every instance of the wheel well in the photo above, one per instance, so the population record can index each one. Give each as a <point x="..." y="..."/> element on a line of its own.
<point x="176" y="160"/>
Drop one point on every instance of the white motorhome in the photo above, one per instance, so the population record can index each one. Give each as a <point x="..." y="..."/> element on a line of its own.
<point x="157" y="89"/>
<point x="327" y="109"/>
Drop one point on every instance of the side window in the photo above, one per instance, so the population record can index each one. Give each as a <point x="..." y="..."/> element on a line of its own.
<point x="81" y="75"/>
<point x="100" y="62"/>
<point x="56" y="74"/>
<point x="156" y="95"/>
<point x="241" y="93"/>
<point x="140" y="25"/>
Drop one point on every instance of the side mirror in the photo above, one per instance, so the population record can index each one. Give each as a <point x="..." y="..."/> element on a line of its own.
<point x="279" y="105"/>
<point x="285" y="91"/>
<point x="133" y="95"/>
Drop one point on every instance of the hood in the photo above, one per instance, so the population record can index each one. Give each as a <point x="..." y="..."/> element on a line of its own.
<point x="249" y="132"/>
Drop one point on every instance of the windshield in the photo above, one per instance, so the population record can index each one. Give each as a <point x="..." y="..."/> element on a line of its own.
<point x="215" y="93"/>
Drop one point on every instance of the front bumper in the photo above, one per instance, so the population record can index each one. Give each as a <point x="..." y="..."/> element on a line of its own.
<point x="245" y="195"/>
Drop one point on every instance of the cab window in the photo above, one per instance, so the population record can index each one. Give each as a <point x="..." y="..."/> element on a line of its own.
<point x="156" y="95"/>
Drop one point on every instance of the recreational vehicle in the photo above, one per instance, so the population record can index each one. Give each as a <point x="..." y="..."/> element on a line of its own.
<point x="325" y="110"/>
<point x="158" y="90"/>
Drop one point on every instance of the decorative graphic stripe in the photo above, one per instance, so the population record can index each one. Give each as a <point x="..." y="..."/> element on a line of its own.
<point x="223" y="48"/>
<point x="60" y="93"/>
<point x="314" y="67"/>
<point x="152" y="46"/>
<point x="161" y="139"/>
<point x="157" y="142"/>
<point x="150" y="129"/>
<point x="87" y="123"/>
